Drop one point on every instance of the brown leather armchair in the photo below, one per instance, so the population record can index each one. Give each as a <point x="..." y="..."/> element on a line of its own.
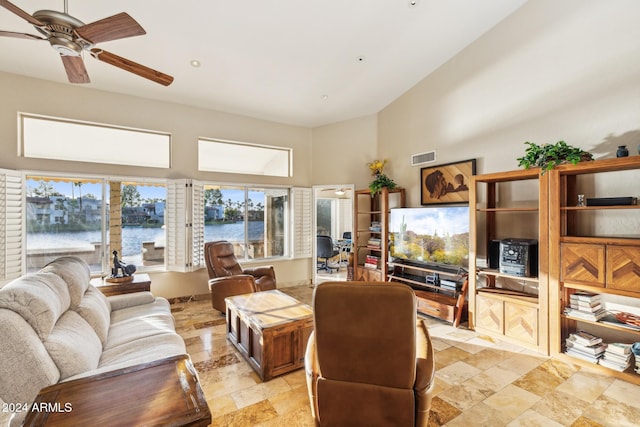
<point x="369" y="361"/>
<point x="227" y="278"/>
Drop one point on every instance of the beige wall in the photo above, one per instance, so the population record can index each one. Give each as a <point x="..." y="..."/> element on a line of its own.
<point x="186" y="124"/>
<point x="341" y="151"/>
<point x="554" y="70"/>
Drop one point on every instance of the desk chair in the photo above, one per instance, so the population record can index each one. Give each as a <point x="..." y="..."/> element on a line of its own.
<point x="325" y="250"/>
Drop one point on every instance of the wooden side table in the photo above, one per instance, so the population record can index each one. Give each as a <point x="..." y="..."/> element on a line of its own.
<point x="164" y="392"/>
<point x="140" y="283"/>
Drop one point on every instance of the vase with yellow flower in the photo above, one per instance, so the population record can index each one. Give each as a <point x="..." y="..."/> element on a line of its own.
<point x="381" y="179"/>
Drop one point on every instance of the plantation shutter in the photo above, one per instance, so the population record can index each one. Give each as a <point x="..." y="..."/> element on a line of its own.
<point x="302" y="239"/>
<point x="197" y="225"/>
<point x="184" y="220"/>
<point x="11" y="225"/>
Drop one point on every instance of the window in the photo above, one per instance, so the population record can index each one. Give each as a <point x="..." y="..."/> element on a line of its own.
<point x="63" y="139"/>
<point x="90" y="218"/>
<point x="243" y="158"/>
<point x="253" y="219"/>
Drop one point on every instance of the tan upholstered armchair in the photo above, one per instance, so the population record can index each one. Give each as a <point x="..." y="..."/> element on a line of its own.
<point x="227" y="278"/>
<point x="369" y="361"/>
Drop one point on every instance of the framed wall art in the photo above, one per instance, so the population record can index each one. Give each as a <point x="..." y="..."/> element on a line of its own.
<point x="448" y="183"/>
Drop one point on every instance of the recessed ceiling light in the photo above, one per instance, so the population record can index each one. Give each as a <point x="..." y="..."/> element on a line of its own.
<point x="324" y="97"/>
<point x="195" y="63"/>
<point x="360" y="58"/>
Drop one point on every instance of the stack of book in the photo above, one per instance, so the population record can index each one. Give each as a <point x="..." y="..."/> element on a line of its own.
<point x="586" y="306"/>
<point x="371" y="261"/>
<point x="374" y="242"/>
<point x="585" y="346"/>
<point x="617" y="356"/>
<point x="375" y="226"/>
<point x="450" y="285"/>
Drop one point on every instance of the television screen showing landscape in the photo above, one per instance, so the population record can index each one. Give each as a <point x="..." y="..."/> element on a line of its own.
<point x="430" y="235"/>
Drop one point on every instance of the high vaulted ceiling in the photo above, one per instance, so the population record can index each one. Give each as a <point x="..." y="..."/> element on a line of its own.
<point x="301" y="62"/>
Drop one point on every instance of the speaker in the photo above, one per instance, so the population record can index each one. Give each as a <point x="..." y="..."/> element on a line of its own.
<point x="494" y="254"/>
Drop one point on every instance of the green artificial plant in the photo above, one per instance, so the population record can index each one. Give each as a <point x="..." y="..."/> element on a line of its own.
<point x="548" y="156"/>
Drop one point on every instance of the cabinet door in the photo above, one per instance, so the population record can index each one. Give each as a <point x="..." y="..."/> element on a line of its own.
<point x="490" y="314"/>
<point x="623" y="268"/>
<point x="582" y="263"/>
<point x="521" y="322"/>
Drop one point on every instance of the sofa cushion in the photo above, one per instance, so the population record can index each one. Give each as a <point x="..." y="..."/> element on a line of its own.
<point x="40" y="298"/>
<point x="138" y="327"/>
<point x="143" y="350"/>
<point x="96" y="310"/>
<point x="75" y="272"/>
<point x="158" y="305"/>
<point x="73" y="345"/>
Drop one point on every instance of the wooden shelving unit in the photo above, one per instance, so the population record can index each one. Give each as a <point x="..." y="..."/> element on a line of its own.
<point x="586" y="257"/>
<point x="371" y="221"/>
<point x="511" y="204"/>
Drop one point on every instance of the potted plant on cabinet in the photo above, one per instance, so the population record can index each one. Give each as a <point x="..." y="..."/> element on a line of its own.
<point x="548" y="156"/>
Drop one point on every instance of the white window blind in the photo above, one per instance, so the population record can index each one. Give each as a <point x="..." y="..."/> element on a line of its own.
<point x="302" y="238"/>
<point x="196" y="218"/>
<point x="184" y="220"/>
<point x="11" y="225"/>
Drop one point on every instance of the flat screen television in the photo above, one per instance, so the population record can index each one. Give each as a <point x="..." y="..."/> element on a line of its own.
<point x="433" y="236"/>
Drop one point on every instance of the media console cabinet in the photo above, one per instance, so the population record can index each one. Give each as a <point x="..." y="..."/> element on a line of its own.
<point x="434" y="299"/>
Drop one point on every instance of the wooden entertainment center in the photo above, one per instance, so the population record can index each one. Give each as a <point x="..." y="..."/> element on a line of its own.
<point x="371" y="259"/>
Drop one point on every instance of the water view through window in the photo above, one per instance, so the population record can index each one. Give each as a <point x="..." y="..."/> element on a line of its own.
<point x="66" y="216"/>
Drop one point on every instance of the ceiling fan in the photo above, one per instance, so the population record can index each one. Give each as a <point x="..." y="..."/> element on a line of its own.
<point x="71" y="37"/>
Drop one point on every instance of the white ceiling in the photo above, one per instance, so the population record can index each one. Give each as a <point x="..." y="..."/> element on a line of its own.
<point x="289" y="61"/>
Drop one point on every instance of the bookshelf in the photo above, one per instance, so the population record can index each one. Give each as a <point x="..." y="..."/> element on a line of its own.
<point x="594" y="250"/>
<point x="371" y="218"/>
<point x="514" y="308"/>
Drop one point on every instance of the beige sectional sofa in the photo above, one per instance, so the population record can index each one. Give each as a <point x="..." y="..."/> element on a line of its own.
<point x="55" y="326"/>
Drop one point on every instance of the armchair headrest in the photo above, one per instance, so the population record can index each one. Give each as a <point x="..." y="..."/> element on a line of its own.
<point x="366" y="332"/>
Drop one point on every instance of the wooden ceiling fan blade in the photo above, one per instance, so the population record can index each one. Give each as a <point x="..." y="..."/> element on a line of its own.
<point x="132" y="67"/>
<point x="20" y="35"/>
<point x="76" y="71"/>
<point x="115" y="27"/>
<point x="21" y="13"/>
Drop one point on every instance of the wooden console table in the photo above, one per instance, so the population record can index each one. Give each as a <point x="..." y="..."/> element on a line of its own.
<point x="164" y="392"/>
<point x="140" y="283"/>
<point x="270" y="329"/>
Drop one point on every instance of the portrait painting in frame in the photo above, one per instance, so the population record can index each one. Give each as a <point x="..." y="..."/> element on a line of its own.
<point x="448" y="183"/>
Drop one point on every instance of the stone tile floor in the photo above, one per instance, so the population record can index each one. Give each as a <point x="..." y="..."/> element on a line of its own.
<point x="479" y="382"/>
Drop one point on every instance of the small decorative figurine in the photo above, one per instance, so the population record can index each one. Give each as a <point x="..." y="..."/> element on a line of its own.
<point x="120" y="270"/>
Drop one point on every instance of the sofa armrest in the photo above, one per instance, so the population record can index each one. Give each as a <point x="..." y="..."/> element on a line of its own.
<point x="425" y="374"/>
<point x="119" y="302"/>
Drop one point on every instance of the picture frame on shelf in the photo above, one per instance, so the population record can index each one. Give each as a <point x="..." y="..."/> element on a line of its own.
<point x="447" y="183"/>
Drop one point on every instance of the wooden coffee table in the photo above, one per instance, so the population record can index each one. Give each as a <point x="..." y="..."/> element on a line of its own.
<point x="165" y="392"/>
<point x="270" y="329"/>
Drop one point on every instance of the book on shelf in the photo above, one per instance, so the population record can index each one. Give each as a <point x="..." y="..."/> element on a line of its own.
<point x="580" y="355"/>
<point x="619" y="348"/>
<point x="585" y="297"/>
<point x="586" y="306"/>
<point x="584" y="314"/>
<point x="610" y="319"/>
<point x="584" y="338"/>
<point x="592" y="350"/>
<point x="619" y="365"/>
<point x="375" y="226"/>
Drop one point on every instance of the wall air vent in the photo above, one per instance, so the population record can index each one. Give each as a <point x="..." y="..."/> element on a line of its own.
<point x="422" y="158"/>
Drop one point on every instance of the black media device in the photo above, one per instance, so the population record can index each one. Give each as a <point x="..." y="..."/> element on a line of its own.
<point x="519" y="257"/>
<point x="494" y="254"/>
